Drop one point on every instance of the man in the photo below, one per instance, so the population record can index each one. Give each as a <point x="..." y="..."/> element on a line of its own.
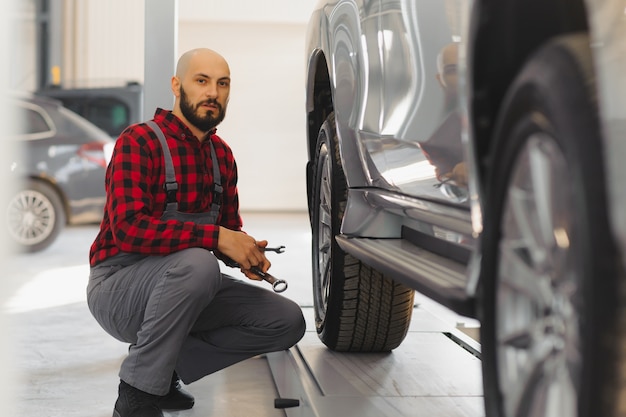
<point x="444" y="149"/>
<point x="172" y="208"/>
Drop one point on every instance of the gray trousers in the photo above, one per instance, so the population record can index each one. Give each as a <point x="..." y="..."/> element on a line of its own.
<point x="180" y="313"/>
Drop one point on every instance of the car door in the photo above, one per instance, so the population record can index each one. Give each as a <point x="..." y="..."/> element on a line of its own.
<point x="413" y="139"/>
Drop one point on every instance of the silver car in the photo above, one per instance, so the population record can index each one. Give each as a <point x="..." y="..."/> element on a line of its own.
<point x="475" y="151"/>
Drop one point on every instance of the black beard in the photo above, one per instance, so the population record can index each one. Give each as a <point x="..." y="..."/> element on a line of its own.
<point x="204" y="123"/>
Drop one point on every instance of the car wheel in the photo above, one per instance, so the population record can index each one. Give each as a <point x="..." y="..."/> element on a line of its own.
<point x="356" y="308"/>
<point x="35" y="216"/>
<point x="549" y="299"/>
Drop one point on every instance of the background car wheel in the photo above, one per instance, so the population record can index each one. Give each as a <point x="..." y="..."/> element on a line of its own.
<point x="550" y="272"/>
<point x="356" y="308"/>
<point x="35" y="216"/>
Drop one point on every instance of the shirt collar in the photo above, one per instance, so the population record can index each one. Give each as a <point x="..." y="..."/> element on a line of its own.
<point x="174" y="125"/>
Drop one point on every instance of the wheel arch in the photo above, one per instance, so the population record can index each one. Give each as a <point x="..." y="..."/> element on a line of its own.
<point x="514" y="30"/>
<point x="319" y="98"/>
<point x="319" y="104"/>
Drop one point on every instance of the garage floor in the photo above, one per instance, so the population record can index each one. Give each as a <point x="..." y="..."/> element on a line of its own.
<point x="67" y="366"/>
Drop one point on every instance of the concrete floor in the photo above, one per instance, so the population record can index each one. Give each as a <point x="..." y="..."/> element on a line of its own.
<point x="67" y="365"/>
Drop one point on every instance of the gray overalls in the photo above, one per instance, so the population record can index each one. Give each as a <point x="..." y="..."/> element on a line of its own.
<point x="179" y="312"/>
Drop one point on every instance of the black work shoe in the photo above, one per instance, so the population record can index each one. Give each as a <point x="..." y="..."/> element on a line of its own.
<point x="132" y="402"/>
<point x="177" y="398"/>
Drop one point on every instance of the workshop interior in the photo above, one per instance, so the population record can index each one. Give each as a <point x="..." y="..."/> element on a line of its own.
<point x="439" y="182"/>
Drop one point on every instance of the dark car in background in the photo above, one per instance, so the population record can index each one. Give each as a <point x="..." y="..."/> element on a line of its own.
<point x="59" y="168"/>
<point x="110" y="106"/>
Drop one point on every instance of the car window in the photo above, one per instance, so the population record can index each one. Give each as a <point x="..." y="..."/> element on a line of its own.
<point x="79" y="126"/>
<point x="33" y="122"/>
<point x="108" y="113"/>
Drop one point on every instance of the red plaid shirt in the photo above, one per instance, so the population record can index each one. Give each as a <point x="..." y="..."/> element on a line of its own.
<point x="136" y="198"/>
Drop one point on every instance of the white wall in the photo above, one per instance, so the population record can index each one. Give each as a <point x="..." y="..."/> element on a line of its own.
<point x="9" y="44"/>
<point x="265" y="122"/>
<point x="264" y="44"/>
<point x="103" y="40"/>
<point x="268" y="11"/>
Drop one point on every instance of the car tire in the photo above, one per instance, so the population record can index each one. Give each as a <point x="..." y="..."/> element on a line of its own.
<point x="35" y="216"/>
<point x="549" y="294"/>
<point x="357" y="309"/>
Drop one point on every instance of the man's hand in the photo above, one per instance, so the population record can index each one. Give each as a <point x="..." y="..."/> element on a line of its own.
<point x="459" y="174"/>
<point x="244" y="250"/>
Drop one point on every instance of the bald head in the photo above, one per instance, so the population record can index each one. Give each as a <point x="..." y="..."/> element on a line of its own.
<point x="448" y="55"/>
<point x="447" y="65"/>
<point x="197" y="56"/>
<point x="201" y="86"/>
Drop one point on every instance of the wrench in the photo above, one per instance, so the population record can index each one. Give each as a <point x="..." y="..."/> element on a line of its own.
<point x="279" y="249"/>
<point x="278" y="285"/>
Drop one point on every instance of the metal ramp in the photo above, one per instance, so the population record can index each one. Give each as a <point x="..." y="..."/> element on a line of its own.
<point x="434" y="373"/>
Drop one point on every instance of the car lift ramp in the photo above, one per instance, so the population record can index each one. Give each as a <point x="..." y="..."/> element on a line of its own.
<point x="435" y="372"/>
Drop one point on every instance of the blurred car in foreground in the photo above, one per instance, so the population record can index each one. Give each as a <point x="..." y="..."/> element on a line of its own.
<point x="59" y="168"/>
<point x="473" y="150"/>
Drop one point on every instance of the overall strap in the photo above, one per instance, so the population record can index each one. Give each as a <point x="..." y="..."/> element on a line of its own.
<point x="171" y="186"/>
<point x="217" y="182"/>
